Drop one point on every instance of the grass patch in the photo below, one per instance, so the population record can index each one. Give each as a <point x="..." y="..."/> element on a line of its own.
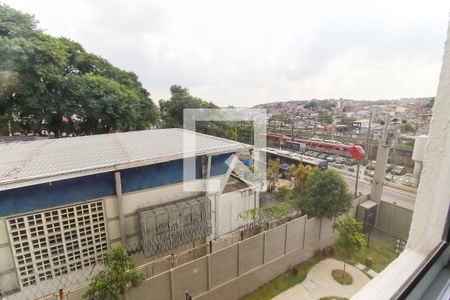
<point x="282" y="282"/>
<point x="333" y="298"/>
<point x="382" y="254"/>
<point x="342" y="277"/>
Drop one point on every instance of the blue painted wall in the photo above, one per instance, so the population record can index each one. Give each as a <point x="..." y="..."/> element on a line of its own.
<point x="84" y="188"/>
<point x="218" y="164"/>
<point x="156" y="175"/>
<point x="62" y="192"/>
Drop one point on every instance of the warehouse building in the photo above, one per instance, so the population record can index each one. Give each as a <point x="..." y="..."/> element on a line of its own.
<point x="64" y="202"/>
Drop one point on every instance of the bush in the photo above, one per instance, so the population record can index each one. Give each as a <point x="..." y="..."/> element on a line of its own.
<point x="342" y="277"/>
<point x="118" y="274"/>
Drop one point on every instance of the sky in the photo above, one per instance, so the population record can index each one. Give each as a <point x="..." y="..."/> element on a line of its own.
<point x="247" y="52"/>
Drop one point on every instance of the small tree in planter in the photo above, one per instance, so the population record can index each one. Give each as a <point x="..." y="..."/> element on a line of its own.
<point x="351" y="238"/>
<point x="118" y="275"/>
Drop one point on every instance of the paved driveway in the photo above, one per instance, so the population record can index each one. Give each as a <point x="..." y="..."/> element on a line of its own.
<point x="319" y="283"/>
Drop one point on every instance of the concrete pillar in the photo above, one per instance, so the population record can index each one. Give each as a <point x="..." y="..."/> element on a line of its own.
<point x="380" y="172"/>
<point x="118" y="184"/>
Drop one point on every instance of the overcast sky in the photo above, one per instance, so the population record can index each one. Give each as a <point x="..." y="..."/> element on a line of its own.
<point x="245" y="52"/>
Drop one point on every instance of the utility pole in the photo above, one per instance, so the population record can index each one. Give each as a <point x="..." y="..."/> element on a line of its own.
<point x="314" y="126"/>
<point x="368" y="137"/>
<point x="292" y="128"/>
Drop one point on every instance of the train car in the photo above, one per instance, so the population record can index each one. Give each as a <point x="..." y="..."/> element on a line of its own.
<point x="310" y="144"/>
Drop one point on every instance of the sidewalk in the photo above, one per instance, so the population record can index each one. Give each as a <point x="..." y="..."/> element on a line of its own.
<point x="319" y="283"/>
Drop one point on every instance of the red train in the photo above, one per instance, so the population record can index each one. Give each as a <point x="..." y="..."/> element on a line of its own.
<point x="316" y="145"/>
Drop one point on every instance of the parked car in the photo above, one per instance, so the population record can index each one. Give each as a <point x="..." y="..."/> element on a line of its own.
<point x="330" y="158"/>
<point x="389" y="168"/>
<point x="350" y="162"/>
<point x="340" y="160"/>
<point x="370" y="166"/>
<point x="315" y="154"/>
<point x="322" y="156"/>
<point x="398" y="170"/>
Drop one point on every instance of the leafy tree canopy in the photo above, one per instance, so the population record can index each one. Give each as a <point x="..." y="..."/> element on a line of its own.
<point x="406" y="127"/>
<point x="325" y="118"/>
<point x="325" y="194"/>
<point x="348" y="120"/>
<point x="54" y="84"/>
<point x="172" y="116"/>
<point x="319" y="104"/>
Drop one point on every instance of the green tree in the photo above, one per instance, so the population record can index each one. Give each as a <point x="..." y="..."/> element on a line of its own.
<point x="325" y="194"/>
<point x="348" y="120"/>
<point x="42" y="87"/>
<point x="300" y="174"/>
<point x="430" y="104"/>
<point x="406" y="127"/>
<point x="273" y="173"/>
<point x="351" y="238"/>
<point x="118" y="274"/>
<point x="325" y="118"/>
<point x="172" y="111"/>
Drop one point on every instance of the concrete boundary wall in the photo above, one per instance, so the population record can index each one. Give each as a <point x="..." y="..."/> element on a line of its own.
<point x="295" y="234"/>
<point x="394" y="219"/>
<point x="312" y="231"/>
<point x="236" y="270"/>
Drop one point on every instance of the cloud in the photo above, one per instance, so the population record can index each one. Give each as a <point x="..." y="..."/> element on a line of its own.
<point x="247" y="52"/>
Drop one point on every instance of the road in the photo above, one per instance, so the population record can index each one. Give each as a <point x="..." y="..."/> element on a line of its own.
<point x="402" y="198"/>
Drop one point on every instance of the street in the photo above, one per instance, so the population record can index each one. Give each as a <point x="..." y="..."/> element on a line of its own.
<point x="402" y="198"/>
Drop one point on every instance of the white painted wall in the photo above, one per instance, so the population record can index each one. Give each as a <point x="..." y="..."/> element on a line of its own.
<point x="155" y="196"/>
<point x="231" y="205"/>
<point x="8" y="277"/>
<point x="432" y="202"/>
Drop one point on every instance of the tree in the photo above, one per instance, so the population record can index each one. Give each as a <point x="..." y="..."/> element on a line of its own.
<point x="273" y="172"/>
<point x="43" y="86"/>
<point x="300" y="174"/>
<point x="325" y="118"/>
<point x="430" y="104"/>
<point x="325" y="195"/>
<point x="406" y="127"/>
<point x="172" y="111"/>
<point x="348" y="120"/>
<point x="351" y="238"/>
<point x="118" y="274"/>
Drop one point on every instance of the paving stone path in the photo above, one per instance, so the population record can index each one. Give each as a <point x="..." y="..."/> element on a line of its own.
<point x="319" y="283"/>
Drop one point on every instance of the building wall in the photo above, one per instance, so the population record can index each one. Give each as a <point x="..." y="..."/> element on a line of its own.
<point x="86" y="188"/>
<point x="231" y="205"/>
<point x="142" y="187"/>
<point x="8" y="276"/>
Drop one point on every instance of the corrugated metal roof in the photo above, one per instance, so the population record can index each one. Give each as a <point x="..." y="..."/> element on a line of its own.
<point x="49" y="160"/>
